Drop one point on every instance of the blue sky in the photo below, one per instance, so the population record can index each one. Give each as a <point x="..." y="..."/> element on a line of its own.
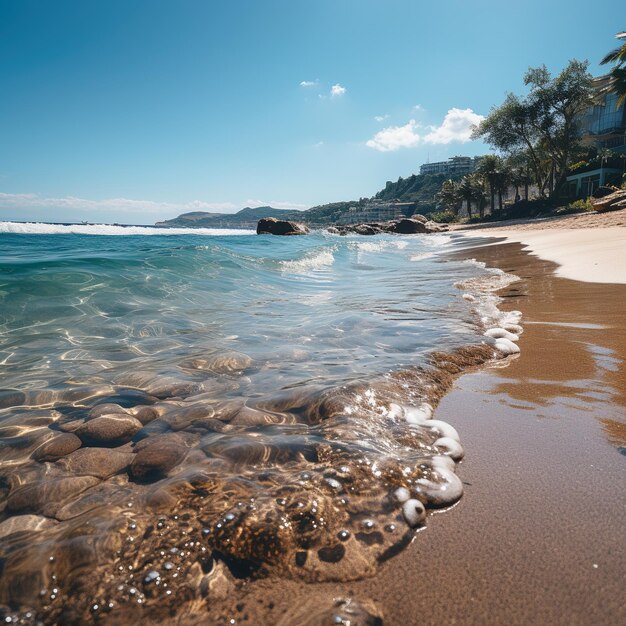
<point x="137" y="110"/>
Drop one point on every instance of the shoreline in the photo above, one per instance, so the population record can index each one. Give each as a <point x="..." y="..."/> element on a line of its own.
<point x="536" y="537"/>
<point x="589" y="247"/>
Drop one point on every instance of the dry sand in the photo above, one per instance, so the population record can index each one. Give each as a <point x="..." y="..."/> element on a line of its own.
<point x="538" y="536"/>
<point x="596" y="256"/>
<point x="589" y="247"/>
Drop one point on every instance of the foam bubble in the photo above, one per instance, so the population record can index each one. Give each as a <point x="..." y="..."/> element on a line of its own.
<point x="501" y="333"/>
<point x="506" y="346"/>
<point x="414" y="512"/>
<point x="451" y="447"/>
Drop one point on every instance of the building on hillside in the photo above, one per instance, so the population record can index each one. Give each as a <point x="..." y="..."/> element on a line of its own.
<point x="375" y="212"/>
<point x="454" y="166"/>
<point x="603" y="126"/>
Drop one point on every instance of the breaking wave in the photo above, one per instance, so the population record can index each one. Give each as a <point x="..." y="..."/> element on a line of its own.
<point x="41" y="228"/>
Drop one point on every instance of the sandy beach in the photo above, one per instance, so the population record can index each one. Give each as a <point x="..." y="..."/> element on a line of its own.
<point x="538" y="535"/>
<point x="589" y="247"/>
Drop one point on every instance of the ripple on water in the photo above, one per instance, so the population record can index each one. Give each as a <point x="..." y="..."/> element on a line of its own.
<point x="149" y="459"/>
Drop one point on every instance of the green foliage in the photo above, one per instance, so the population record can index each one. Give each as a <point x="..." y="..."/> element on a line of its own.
<point x="449" y="197"/>
<point x="579" y="165"/>
<point x="617" y="82"/>
<point x="578" y="206"/>
<point x="417" y="188"/>
<point x="444" y="217"/>
<point x="543" y="123"/>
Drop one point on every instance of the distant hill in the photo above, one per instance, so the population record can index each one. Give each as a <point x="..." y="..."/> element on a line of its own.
<point x="415" y="194"/>
<point x="418" y="188"/>
<point x="246" y="218"/>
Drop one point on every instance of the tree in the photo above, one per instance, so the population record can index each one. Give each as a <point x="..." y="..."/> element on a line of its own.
<point x="617" y="76"/>
<point x="508" y="128"/>
<point x="544" y="123"/>
<point x="555" y="106"/>
<point x="489" y="167"/>
<point x="449" y="197"/>
<point x="502" y="182"/>
<point x="479" y="196"/>
<point x="519" y="164"/>
<point x="466" y="193"/>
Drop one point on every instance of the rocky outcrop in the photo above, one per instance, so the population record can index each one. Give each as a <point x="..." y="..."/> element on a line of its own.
<point x="406" y="226"/>
<point x="409" y="227"/>
<point x="610" y="202"/>
<point x="272" y="226"/>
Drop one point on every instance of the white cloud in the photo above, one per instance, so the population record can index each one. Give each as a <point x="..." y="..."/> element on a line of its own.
<point x="393" y="138"/>
<point x="418" y="107"/>
<point x="381" y="118"/>
<point x="337" y="90"/>
<point x="456" y="126"/>
<point x="36" y="201"/>
<point x="309" y="83"/>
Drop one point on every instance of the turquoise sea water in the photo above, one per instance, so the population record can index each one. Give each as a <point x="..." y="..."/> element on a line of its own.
<point x="318" y="308"/>
<point x="179" y="403"/>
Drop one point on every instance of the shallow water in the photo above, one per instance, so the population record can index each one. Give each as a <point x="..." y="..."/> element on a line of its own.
<point x="182" y="410"/>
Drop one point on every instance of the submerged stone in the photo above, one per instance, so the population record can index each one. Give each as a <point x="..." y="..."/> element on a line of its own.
<point x="99" y="462"/>
<point x="109" y="430"/>
<point x="48" y="495"/>
<point x="57" y="447"/>
<point x="156" y="458"/>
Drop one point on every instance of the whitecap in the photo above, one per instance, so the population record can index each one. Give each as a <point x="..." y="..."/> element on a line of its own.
<point x="40" y="228"/>
<point x="315" y="261"/>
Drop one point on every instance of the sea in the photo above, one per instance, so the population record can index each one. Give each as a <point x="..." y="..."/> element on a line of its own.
<point x="180" y="405"/>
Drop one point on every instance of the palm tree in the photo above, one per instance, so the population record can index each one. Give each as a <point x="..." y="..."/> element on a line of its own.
<point x="488" y="167"/>
<point x="477" y="184"/>
<point x="617" y="83"/>
<point x="466" y="192"/>
<point x="449" y="197"/>
<point x="503" y="180"/>
<point x="521" y="171"/>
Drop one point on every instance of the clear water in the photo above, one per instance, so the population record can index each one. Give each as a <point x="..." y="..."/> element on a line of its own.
<point x="282" y="385"/>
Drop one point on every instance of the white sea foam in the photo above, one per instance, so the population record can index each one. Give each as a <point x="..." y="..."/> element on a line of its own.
<point x="311" y="262"/>
<point x="379" y="246"/>
<point x="482" y="289"/>
<point x="39" y="228"/>
<point x="420" y="257"/>
<point x="436" y="240"/>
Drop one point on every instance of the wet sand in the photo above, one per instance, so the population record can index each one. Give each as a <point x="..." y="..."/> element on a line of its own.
<point x="538" y="536"/>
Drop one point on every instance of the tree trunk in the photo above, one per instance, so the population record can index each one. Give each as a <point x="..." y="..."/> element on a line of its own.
<point x="526" y="184"/>
<point x="493" y="196"/>
<point x="500" y="199"/>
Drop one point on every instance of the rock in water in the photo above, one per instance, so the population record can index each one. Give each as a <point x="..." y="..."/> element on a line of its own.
<point x="47" y="496"/>
<point x="57" y="447"/>
<point x="109" y="430"/>
<point x="24" y="524"/>
<point x="408" y="226"/>
<point x="98" y="462"/>
<point x="156" y="458"/>
<point x="272" y="226"/>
